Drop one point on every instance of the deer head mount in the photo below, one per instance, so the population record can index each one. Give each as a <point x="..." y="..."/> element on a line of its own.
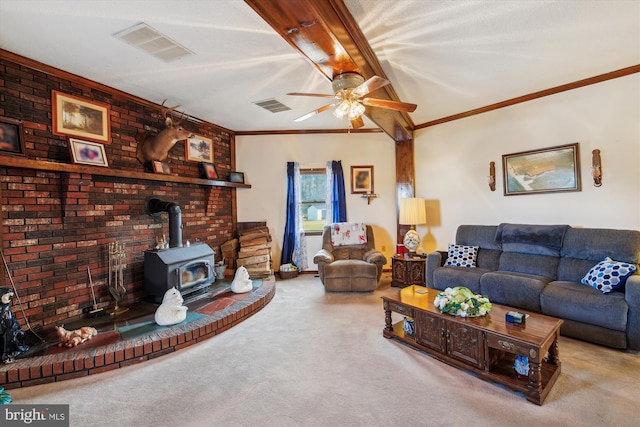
<point x="156" y="147"/>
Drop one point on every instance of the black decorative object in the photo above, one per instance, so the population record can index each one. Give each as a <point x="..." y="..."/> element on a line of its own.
<point x="13" y="339"/>
<point x="236" y="177"/>
<point x="207" y="170"/>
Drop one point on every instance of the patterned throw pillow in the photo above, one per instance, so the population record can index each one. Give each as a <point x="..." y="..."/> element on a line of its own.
<point x="462" y="256"/>
<point x="608" y="275"/>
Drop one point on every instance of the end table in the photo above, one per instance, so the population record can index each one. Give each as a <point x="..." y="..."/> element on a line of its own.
<point x="407" y="271"/>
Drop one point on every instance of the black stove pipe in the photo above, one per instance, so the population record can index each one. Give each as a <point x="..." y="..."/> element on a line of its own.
<point x="155" y="206"/>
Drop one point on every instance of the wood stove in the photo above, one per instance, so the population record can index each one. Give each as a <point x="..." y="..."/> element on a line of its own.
<point x="188" y="268"/>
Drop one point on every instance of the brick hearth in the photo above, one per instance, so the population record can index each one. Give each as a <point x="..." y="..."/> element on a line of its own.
<point x="79" y="362"/>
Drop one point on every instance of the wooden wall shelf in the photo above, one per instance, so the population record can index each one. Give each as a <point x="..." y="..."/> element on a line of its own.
<point x="45" y="165"/>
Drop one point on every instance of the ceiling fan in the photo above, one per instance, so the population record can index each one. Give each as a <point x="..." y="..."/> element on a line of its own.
<point x="349" y="89"/>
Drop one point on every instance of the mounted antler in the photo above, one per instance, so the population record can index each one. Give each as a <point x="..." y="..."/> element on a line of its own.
<point x="157" y="147"/>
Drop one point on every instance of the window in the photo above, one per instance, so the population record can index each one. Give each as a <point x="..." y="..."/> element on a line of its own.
<point x="313" y="199"/>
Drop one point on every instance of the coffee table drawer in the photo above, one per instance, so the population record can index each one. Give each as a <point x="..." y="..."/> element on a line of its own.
<point x="402" y="309"/>
<point x="512" y="346"/>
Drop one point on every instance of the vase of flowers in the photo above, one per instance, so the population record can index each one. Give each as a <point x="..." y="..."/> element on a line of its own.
<point x="460" y="301"/>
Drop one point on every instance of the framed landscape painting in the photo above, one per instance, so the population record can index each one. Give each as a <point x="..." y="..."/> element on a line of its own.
<point x="547" y="170"/>
<point x="199" y="149"/>
<point x="77" y="117"/>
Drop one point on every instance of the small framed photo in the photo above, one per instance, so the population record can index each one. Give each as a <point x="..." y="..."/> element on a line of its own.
<point x="199" y="149"/>
<point x="361" y="179"/>
<point x="77" y="117"/>
<point x="11" y="136"/>
<point x="87" y="153"/>
<point x="237" y="177"/>
<point x="208" y="171"/>
<point x="161" y="167"/>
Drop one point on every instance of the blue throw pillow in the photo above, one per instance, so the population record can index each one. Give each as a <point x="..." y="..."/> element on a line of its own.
<point x="462" y="256"/>
<point x="608" y="275"/>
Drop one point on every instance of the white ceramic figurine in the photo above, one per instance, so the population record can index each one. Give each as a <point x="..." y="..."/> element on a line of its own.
<point x="171" y="311"/>
<point x="241" y="282"/>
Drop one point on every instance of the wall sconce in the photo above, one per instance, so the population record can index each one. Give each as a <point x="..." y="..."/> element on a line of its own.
<point x="492" y="176"/>
<point x="596" y="168"/>
<point x="369" y="196"/>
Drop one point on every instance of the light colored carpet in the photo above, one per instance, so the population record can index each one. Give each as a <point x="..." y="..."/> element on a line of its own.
<point x="312" y="358"/>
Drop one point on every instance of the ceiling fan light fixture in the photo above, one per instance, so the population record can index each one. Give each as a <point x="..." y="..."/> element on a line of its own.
<point x="356" y="110"/>
<point x="349" y="108"/>
<point x="349" y="89"/>
<point x="342" y="109"/>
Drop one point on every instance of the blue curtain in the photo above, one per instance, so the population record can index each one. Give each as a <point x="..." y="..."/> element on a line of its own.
<point x="338" y="199"/>
<point x="294" y="247"/>
<point x="288" y="247"/>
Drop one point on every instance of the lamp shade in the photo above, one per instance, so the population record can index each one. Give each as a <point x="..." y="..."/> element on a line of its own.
<point x="412" y="211"/>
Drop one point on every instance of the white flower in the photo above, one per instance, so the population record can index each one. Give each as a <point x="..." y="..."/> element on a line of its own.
<point x="460" y="301"/>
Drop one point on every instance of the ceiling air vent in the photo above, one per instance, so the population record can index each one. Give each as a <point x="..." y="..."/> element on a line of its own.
<point x="151" y="41"/>
<point x="272" y="105"/>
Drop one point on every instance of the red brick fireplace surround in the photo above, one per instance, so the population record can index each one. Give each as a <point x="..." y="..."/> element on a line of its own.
<point x="78" y="362"/>
<point x="58" y="218"/>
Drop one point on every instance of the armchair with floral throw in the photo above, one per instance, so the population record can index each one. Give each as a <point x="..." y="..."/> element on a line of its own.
<point x="348" y="260"/>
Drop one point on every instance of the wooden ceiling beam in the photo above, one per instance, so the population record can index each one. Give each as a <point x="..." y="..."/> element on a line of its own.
<point x="326" y="34"/>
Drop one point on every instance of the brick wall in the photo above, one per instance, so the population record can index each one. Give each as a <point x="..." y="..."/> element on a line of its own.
<point x="56" y="224"/>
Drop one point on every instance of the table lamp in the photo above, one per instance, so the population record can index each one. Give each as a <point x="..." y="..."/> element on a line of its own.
<point x="412" y="212"/>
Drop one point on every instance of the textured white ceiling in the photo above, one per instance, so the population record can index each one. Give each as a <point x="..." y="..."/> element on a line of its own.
<point x="446" y="56"/>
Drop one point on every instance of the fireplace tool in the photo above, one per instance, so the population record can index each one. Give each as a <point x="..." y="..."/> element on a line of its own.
<point x="116" y="283"/>
<point x="15" y="292"/>
<point x="96" y="311"/>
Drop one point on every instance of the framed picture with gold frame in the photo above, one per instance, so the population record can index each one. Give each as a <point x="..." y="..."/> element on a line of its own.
<point x="77" y="117"/>
<point x="199" y="149"/>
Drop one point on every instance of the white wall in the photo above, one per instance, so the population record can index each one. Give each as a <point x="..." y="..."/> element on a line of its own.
<point x="452" y="165"/>
<point x="452" y="162"/>
<point x="264" y="159"/>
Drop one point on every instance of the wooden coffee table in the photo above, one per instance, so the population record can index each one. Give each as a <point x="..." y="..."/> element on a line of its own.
<point x="486" y="346"/>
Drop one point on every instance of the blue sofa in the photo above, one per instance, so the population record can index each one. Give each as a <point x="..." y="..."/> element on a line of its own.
<point x="539" y="268"/>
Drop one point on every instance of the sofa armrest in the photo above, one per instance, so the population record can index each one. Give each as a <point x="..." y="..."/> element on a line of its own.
<point x="323" y="256"/>
<point x="632" y="296"/>
<point x="434" y="260"/>
<point x="374" y="256"/>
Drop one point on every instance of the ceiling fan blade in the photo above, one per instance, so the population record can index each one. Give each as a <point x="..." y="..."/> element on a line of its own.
<point x="391" y="105"/>
<point x="318" y="95"/>
<point x="315" y="112"/>
<point x="370" y="85"/>
<point x="357" y="122"/>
